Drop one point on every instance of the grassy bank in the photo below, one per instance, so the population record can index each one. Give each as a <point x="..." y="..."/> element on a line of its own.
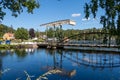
<point x="6" y="46"/>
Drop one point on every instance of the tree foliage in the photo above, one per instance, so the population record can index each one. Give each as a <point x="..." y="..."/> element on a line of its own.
<point x="71" y="32"/>
<point x="31" y="33"/>
<point x="21" y="33"/>
<point x="4" y="29"/>
<point x="111" y="16"/>
<point x="37" y="34"/>
<point x="50" y="32"/>
<point x="17" y="6"/>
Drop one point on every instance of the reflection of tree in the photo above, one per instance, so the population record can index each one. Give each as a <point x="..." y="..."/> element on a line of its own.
<point x="21" y="53"/>
<point x="3" y="53"/>
<point x="0" y="66"/>
<point x="50" y="52"/>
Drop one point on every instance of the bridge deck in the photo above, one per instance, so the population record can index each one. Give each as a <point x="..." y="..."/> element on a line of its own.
<point x="94" y="47"/>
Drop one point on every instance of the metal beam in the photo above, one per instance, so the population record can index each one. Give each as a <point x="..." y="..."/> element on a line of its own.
<point x="60" y="22"/>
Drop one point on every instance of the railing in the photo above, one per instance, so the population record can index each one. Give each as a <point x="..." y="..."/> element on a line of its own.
<point x="92" y="42"/>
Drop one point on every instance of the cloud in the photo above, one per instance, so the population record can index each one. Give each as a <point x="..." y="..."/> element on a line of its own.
<point x="76" y="15"/>
<point x="85" y="19"/>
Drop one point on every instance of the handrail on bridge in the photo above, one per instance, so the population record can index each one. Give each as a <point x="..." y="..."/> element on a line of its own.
<point x="83" y="33"/>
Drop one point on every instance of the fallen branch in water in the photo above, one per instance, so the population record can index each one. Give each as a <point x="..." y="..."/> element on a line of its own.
<point x="48" y="73"/>
<point x="5" y="70"/>
<point x="28" y="76"/>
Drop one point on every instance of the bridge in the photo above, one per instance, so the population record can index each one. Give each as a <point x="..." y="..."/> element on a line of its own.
<point x="60" y="23"/>
<point x="91" y="45"/>
<point x="104" y="43"/>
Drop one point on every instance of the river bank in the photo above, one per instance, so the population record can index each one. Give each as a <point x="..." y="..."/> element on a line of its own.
<point x="80" y="47"/>
<point x="17" y="46"/>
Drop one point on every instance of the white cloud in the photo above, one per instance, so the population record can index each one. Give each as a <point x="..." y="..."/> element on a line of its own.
<point x="76" y="15"/>
<point x="85" y="19"/>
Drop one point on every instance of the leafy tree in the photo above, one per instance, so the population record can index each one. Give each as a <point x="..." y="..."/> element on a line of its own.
<point x="59" y="33"/>
<point x="21" y="33"/>
<point x="37" y="34"/>
<point x="31" y="33"/>
<point x="50" y="32"/>
<point x="4" y="29"/>
<point x="17" y="6"/>
<point x="118" y="25"/>
<point x="112" y="11"/>
<point x="10" y="29"/>
<point x="118" y="30"/>
<point x="111" y="16"/>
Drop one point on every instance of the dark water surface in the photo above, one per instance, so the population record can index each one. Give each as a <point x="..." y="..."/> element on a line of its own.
<point x="58" y="65"/>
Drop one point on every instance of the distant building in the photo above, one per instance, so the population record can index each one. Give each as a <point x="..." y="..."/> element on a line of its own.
<point x="8" y="36"/>
<point x="1" y="40"/>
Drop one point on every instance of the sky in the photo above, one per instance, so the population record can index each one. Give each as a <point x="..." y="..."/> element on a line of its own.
<point x="53" y="10"/>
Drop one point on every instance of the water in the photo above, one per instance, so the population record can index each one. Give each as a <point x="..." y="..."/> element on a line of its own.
<point x="73" y="65"/>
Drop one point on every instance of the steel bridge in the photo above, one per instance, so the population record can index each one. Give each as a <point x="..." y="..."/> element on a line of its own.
<point x="103" y="41"/>
<point x="59" y="24"/>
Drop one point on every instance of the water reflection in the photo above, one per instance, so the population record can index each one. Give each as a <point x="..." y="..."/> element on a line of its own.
<point x="71" y="65"/>
<point x="97" y="60"/>
<point x="57" y="56"/>
<point x="94" y="60"/>
<point x="18" y="52"/>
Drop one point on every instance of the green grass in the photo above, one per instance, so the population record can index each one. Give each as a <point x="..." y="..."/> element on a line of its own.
<point x="4" y="46"/>
<point x="7" y="46"/>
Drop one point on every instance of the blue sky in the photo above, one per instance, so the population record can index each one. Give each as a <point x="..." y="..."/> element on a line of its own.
<point x="53" y="10"/>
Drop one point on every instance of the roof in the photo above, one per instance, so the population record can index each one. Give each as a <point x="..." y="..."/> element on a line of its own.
<point x="60" y="22"/>
<point x="8" y="36"/>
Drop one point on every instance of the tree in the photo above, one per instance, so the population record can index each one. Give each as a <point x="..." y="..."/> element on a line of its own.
<point x="10" y="29"/>
<point x="31" y="33"/>
<point x="37" y="34"/>
<point x="21" y="33"/>
<point x="118" y="30"/>
<point x="17" y="6"/>
<point x="111" y="16"/>
<point x="59" y="33"/>
<point x="50" y="32"/>
<point x="4" y="29"/>
<point x="111" y="8"/>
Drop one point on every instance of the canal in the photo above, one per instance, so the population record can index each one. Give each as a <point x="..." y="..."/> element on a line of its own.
<point x="42" y="64"/>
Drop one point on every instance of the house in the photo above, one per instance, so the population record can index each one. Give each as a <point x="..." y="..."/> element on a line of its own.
<point x="8" y="36"/>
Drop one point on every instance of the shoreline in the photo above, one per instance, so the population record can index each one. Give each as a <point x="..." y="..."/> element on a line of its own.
<point x="18" y="46"/>
<point x="65" y="47"/>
